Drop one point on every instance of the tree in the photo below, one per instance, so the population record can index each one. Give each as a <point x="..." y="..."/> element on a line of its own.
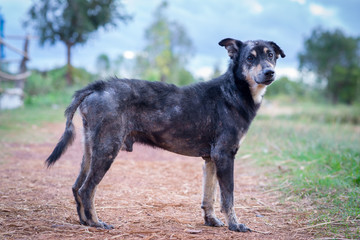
<point x="167" y="50"/>
<point x="73" y="21"/>
<point x="334" y="58"/>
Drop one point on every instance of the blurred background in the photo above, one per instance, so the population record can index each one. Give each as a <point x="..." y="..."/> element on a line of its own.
<point x="307" y="132"/>
<point x="76" y="42"/>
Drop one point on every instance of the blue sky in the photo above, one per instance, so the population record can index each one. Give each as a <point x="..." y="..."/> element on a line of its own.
<point x="286" y="22"/>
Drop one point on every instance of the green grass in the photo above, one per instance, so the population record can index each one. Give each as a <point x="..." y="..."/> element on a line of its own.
<point x="324" y="113"/>
<point x="22" y="125"/>
<point x="18" y="125"/>
<point x="319" y="155"/>
<point x="39" y="109"/>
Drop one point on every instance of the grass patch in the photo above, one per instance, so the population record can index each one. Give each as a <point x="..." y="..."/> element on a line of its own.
<point x="320" y="158"/>
<point x="326" y="114"/>
<point x="18" y="125"/>
<point x="21" y="125"/>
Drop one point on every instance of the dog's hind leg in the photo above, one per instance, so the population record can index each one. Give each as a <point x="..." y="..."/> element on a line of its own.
<point x="224" y="161"/>
<point x="209" y="191"/>
<point x="105" y="147"/>
<point x="85" y="166"/>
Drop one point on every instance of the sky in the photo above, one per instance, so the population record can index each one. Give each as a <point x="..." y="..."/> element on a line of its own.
<point x="286" y="22"/>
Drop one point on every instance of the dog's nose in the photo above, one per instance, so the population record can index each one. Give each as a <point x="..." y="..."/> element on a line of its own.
<point x="269" y="74"/>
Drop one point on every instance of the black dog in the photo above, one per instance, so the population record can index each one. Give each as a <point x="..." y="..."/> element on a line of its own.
<point x="207" y="120"/>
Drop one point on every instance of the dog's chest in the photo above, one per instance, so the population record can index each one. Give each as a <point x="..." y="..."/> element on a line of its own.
<point x="257" y="92"/>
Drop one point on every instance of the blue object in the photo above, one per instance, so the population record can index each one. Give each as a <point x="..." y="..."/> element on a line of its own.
<point x="2" y="23"/>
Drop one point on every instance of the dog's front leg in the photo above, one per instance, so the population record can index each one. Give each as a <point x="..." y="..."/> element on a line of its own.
<point x="224" y="162"/>
<point x="209" y="191"/>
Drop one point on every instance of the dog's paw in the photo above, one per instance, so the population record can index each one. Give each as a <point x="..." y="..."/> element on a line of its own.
<point x="213" y="222"/>
<point x="239" y="228"/>
<point x="100" y="225"/>
<point x="105" y="225"/>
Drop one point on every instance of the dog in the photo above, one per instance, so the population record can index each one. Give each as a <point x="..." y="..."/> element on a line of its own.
<point x="206" y="119"/>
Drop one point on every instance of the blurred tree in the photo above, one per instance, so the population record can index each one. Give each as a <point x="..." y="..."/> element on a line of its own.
<point x="284" y="86"/>
<point x="117" y="64"/>
<point x="73" y="21"/>
<point x="103" y="64"/>
<point x="167" y="50"/>
<point x="335" y="58"/>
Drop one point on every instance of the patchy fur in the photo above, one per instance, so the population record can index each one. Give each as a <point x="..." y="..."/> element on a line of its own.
<point x="206" y="119"/>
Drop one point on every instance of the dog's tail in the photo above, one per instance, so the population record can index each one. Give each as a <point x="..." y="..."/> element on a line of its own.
<point x="69" y="134"/>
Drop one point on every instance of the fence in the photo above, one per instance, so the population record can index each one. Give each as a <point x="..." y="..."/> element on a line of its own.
<point x="13" y="97"/>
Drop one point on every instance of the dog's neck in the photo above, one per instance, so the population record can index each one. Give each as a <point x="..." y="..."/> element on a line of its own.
<point x="257" y="92"/>
<point x="243" y="89"/>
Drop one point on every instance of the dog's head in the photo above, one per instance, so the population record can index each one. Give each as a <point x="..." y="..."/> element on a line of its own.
<point x="255" y="60"/>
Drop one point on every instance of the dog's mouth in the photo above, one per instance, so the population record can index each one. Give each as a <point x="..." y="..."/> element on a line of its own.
<point x="268" y="82"/>
<point x="265" y="82"/>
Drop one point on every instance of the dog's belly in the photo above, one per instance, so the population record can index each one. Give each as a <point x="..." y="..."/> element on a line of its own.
<point x="194" y="145"/>
<point x="187" y="149"/>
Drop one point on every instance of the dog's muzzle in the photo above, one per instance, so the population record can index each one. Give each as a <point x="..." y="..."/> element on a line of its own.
<point x="268" y="77"/>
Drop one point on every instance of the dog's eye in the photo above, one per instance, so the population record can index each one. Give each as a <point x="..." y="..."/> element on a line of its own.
<point x="270" y="55"/>
<point x="250" y="58"/>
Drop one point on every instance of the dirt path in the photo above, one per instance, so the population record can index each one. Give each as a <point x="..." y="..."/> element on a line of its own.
<point x="147" y="194"/>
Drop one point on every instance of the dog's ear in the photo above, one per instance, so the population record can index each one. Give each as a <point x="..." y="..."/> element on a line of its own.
<point x="277" y="50"/>
<point x="231" y="45"/>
